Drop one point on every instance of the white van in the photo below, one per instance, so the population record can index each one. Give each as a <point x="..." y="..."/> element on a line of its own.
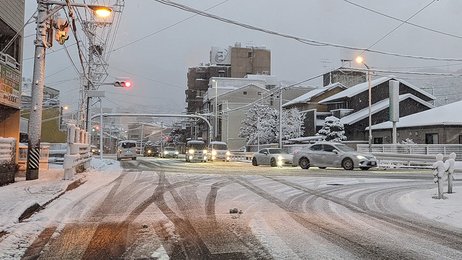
<point x="219" y="151"/>
<point x="196" y="150"/>
<point x="126" y="149"/>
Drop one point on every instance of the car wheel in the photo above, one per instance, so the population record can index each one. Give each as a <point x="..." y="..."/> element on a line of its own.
<point x="273" y="162"/>
<point x="347" y="164"/>
<point x="364" y="168"/>
<point x="322" y="168"/>
<point x="118" y="159"/>
<point x="304" y="163"/>
<point x="254" y="161"/>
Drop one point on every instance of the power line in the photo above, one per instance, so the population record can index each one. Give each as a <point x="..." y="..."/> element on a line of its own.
<point x="165" y="28"/>
<point x="403" y="21"/>
<point x="302" y="40"/>
<point x="401" y="24"/>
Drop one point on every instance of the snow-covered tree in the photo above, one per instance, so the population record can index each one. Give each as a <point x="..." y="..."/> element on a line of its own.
<point x="262" y="122"/>
<point x="292" y="123"/>
<point x="259" y="124"/>
<point x="332" y="130"/>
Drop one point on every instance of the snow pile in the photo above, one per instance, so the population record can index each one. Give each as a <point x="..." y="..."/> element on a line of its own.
<point x="105" y="165"/>
<point x="447" y="211"/>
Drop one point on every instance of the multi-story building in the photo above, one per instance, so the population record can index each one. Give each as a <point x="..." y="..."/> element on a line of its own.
<point x="11" y="34"/>
<point x="235" y="61"/>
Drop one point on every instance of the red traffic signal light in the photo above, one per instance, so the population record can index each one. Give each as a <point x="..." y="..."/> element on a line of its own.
<point x="126" y="84"/>
<point x="123" y="84"/>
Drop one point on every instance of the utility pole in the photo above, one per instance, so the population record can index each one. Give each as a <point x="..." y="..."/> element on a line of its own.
<point x="280" y="117"/>
<point x="38" y="78"/>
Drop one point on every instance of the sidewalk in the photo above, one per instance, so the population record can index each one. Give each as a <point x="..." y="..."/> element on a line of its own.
<point x="24" y="197"/>
<point x="21" y="199"/>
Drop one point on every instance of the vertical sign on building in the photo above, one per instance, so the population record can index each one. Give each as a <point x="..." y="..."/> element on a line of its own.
<point x="394" y="105"/>
<point x="10" y="80"/>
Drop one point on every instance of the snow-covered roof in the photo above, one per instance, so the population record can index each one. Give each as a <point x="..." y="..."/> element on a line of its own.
<point x="356" y="89"/>
<point x="444" y="115"/>
<point x="313" y="93"/>
<point x="263" y="89"/>
<point x="376" y="107"/>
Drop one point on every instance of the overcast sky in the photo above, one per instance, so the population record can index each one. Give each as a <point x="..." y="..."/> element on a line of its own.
<point x="158" y="64"/>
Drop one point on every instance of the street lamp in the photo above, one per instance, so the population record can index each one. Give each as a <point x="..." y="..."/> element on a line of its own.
<point x="38" y="79"/>
<point x="360" y="60"/>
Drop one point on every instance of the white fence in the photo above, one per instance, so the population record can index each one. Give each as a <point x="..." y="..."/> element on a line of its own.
<point x="78" y="152"/>
<point x="7" y="149"/>
<point x="414" y="149"/>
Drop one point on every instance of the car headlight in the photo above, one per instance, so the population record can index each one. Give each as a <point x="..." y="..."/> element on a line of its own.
<point x="149" y="151"/>
<point x="228" y="153"/>
<point x="204" y="151"/>
<point x="191" y="151"/>
<point x="165" y="152"/>
<point x="360" y="157"/>
<point x="176" y="152"/>
<point x="280" y="158"/>
<point x="214" y="152"/>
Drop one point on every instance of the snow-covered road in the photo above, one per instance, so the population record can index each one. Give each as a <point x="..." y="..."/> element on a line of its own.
<point x="159" y="209"/>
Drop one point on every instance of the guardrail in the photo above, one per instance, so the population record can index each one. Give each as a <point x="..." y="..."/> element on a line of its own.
<point x="414" y="149"/>
<point x="43" y="161"/>
<point x="78" y="154"/>
<point x="241" y="156"/>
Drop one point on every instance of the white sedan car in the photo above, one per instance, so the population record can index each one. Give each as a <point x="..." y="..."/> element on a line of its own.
<point x="272" y="156"/>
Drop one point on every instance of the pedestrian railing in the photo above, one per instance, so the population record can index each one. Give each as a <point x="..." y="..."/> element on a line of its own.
<point x="78" y="154"/>
<point x="43" y="160"/>
<point x="414" y="149"/>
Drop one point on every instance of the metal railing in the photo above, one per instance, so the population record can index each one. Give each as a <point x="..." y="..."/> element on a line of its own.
<point x="414" y="149"/>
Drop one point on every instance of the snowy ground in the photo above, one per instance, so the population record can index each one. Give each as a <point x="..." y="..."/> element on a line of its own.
<point x="20" y="195"/>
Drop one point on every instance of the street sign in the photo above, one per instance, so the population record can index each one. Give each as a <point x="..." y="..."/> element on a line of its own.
<point x="10" y="80"/>
<point x="95" y="93"/>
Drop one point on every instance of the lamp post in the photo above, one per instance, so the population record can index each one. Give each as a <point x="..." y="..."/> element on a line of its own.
<point x="360" y="60"/>
<point x="38" y="78"/>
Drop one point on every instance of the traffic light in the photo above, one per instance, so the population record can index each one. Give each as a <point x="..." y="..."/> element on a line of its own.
<point x="123" y="84"/>
<point x="62" y="30"/>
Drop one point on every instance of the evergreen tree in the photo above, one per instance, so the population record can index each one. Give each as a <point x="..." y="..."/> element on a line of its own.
<point x="332" y="130"/>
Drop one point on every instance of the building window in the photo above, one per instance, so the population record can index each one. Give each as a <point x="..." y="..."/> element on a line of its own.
<point x="259" y="93"/>
<point x="431" y="138"/>
<point x="245" y="93"/>
<point x="460" y="139"/>
<point x="249" y="54"/>
<point x="378" y="140"/>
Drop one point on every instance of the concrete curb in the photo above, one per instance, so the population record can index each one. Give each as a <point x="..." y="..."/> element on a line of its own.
<point x="28" y="212"/>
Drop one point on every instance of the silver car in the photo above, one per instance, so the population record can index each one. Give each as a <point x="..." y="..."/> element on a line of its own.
<point x="272" y="156"/>
<point x="329" y="154"/>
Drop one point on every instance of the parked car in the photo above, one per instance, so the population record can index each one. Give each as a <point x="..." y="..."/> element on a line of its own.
<point x="272" y="156"/>
<point x="169" y="152"/>
<point x="329" y="154"/>
<point x="219" y="151"/>
<point x="126" y="149"/>
<point x="196" y="150"/>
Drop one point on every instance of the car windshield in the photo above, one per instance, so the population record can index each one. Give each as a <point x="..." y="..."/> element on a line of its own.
<point x="126" y="145"/>
<point x="220" y="147"/>
<point x="197" y="146"/>
<point x="276" y="151"/>
<point x="344" y="148"/>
